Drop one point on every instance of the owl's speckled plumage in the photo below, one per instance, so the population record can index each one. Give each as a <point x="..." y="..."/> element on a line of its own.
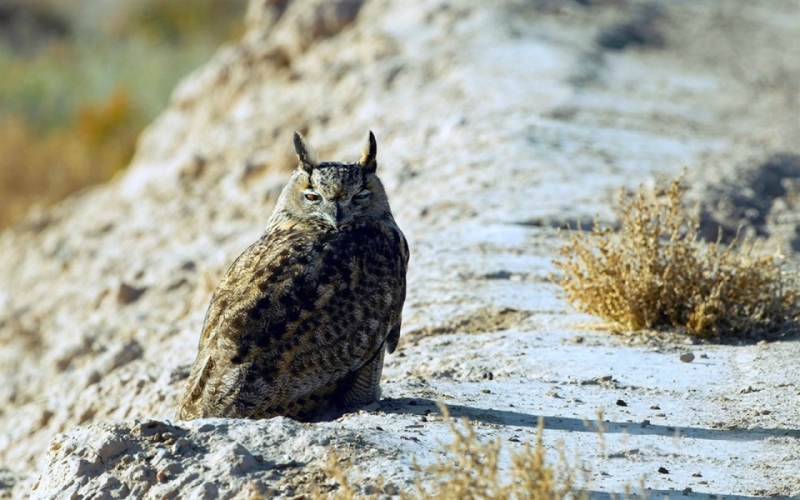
<point x="302" y="318"/>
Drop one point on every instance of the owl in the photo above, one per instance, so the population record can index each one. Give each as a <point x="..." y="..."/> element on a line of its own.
<point x="301" y="320"/>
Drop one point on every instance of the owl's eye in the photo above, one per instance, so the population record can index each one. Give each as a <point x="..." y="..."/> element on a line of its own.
<point x="311" y="196"/>
<point x="362" y="196"/>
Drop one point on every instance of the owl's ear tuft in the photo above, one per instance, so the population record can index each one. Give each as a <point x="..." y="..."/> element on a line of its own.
<point x="369" y="152"/>
<point x="305" y="153"/>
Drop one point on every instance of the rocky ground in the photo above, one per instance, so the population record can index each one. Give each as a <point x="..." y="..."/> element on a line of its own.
<point x="497" y="123"/>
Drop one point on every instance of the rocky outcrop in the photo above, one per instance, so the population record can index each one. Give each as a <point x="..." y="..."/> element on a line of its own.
<point x="490" y="116"/>
<point x="201" y="459"/>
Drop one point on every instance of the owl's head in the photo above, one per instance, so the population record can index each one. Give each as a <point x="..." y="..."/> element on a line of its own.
<point x="335" y="193"/>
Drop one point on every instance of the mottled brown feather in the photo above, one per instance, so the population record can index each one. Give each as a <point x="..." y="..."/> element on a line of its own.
<point x="301" y="319"/>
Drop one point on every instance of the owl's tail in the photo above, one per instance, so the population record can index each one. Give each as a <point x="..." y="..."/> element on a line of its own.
<point x="366" y="386"/>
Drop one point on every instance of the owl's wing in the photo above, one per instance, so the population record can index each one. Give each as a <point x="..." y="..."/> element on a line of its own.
<point x="393" y="337"/>
<point x="231" y="323"/>
<point x="213" y="378"/>
<point x="399" y="240"/>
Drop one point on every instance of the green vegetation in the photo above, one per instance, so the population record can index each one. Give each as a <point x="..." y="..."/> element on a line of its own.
<point x="74" y="99"/>
<point x="655" y="273"/>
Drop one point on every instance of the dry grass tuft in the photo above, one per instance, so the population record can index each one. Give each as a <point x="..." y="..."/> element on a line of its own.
<point x="471" y="470"/>
<point x="336" y="471"/>
<point x="656" y="274"/>
<point x="474" y="472"/>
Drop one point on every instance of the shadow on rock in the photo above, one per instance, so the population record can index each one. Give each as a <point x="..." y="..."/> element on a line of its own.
<point x="602" y="495"/>
<point x="756" y="198"/>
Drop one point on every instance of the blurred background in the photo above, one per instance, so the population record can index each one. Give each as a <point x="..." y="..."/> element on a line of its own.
<point x="79" y="79"/>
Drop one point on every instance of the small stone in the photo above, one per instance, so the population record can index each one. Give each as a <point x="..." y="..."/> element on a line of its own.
<point x="486" y="391"/>
<point x="644" y="424"/>
<point x="621" y="403"/>
<point x="108" y="484"/>
<point x="92" y="378"/>
<point x="129" y="293"/>
<point x="110" y="447"/>
<point x="697" y="474"/>
<point x="161" y="454"/>
<point x="663" y="470"/>
<point x="687" y="357"/>
<point x="175" y="284"/>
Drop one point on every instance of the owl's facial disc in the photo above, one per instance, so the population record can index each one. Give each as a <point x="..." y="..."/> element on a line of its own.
<point x="335" y="193"/>
<point x="338" y="210"/>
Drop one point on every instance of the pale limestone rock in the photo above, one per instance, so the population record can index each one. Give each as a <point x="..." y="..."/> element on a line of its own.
<point x="490" y="116"/>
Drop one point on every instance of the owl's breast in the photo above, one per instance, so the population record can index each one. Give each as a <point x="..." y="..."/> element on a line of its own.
<point x="327" y="299"/>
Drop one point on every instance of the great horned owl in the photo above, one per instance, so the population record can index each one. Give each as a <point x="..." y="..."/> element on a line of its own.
<point x="302" y="318"/>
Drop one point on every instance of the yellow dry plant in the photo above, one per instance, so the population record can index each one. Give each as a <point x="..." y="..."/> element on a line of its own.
<point x="655" y="273"/>
<point x="472" y="471"/>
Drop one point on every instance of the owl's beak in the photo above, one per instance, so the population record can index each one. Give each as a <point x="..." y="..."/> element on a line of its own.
<point x="335" y="214"/>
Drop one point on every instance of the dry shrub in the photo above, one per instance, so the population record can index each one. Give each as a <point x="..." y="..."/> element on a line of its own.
<point x="655" y="273"/>
<point x="472" y="471"/>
